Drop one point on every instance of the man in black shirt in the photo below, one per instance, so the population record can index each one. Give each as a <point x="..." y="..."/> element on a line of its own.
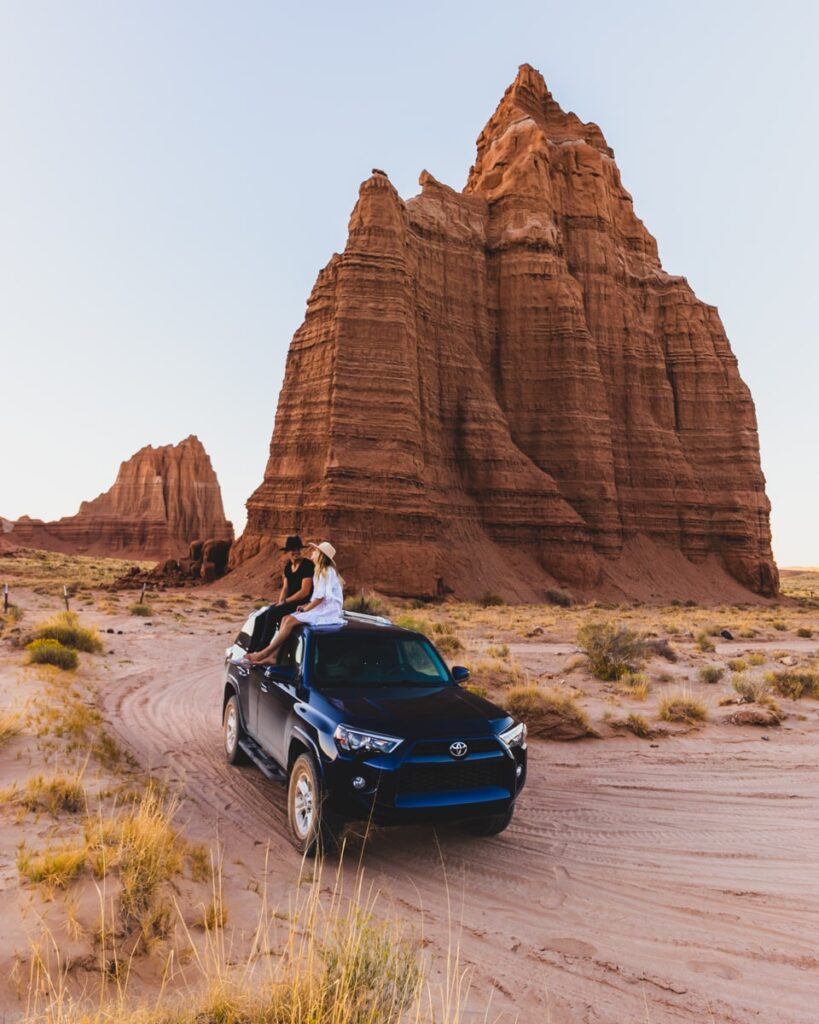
<point x="297" y="586"/>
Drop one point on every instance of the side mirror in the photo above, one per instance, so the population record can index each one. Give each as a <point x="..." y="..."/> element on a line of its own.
<point x="459" y="673"/>
<point x="280" y="673"/>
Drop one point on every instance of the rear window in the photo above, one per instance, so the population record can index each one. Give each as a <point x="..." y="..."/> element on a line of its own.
<point x="350" y="660"/>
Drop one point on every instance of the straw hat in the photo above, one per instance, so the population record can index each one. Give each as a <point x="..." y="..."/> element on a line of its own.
<point x="326" y="548"/>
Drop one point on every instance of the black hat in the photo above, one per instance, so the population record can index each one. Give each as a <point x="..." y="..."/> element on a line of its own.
<point x="293" y="543"/>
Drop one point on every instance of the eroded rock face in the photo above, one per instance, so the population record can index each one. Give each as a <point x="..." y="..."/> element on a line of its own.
<point x="163" y="499"/>
<point x="500" y="388"/>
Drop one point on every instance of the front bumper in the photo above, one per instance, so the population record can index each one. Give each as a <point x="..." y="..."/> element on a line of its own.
<point x="424" y="783"/>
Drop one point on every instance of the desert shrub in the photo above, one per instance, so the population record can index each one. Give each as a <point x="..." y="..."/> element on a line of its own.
<point x="66" y="629"/>
<point x="477" y="689"/>
<point x="737" y="664"/>
<point x="749" y="691"/>
<point x="365" y="604"/>
<point x="562" y="598"/>
<point x="498" y="651"/>
<point x="220" y="602"/>
<point x="52" y="652"/>
<point x="681" y="707"/>
<point x="793" y="684"/>
<point x="756" y="659"/>
<point x="661" y="647"/>
<point x="612" y="649"/>
<point x="547" y="712"/>
<point x="10" y="617"/>
<point x="711" y="673"/>
<point x="415" y="624"/>
<point x="449" y="643"/>
<point x="492" y="600"/>
<point x="779" y="625"/>
<point x="144" y="609"/>
<point x="804" y="632"/>
<point x="704" y="642"/>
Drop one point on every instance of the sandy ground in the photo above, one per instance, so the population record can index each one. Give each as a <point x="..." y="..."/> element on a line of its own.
<point x="663" y="882"/>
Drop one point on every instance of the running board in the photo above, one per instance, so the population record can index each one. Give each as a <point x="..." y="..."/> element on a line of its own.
<point x="266" y="765"/>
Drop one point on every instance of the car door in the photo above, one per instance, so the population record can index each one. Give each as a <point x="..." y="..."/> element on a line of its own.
<point x="276" y="700"/>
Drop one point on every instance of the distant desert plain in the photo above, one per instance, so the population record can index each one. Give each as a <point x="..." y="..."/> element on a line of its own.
<point x="660" y="865"/>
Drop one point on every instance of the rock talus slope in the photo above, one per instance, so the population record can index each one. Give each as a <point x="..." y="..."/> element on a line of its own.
<point x="163" y="499"/>
<point x="501" y="388"/>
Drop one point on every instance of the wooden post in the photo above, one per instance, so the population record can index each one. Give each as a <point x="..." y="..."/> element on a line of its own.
<point x="5" y="597"/>
<point x="65" y="597"/>
<point x="142" y="595"/>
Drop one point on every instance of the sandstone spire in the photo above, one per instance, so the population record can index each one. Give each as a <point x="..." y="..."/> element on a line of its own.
<point x="502" y="388"/>
<point x="163" y="499"/>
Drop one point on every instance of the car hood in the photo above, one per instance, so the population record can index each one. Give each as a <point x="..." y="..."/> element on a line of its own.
<point x="415" y="712"/>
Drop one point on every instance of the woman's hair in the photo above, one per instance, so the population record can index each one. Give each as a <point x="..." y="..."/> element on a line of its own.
<point x="323" y="563"/>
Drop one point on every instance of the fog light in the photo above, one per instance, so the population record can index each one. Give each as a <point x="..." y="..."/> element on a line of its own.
<point x="518" y="771"/>
<point x="359" y="782"/>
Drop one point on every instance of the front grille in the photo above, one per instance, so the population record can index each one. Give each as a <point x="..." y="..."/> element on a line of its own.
<point x="451" y="777"/>
<point x="429" y="748"/>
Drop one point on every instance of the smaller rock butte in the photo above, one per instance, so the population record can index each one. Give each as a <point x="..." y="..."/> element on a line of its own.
<point x="502" y="388"/>
<point x="162" y="500"/>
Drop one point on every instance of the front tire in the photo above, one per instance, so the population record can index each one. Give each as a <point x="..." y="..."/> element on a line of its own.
<point x="233" y="732"/>
<point x="312" y="827"/>
<point x="492" y="825"/>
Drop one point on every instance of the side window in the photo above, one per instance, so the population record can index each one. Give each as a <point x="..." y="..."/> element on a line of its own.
<point x="292" y="653"/>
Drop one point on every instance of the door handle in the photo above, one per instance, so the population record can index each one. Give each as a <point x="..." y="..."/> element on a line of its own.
<point x="264" y="688"/>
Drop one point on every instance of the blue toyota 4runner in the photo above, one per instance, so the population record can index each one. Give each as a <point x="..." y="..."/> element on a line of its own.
<point x="364" y="721"/>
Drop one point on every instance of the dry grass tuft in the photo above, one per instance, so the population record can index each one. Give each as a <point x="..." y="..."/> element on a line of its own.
<point x="52" y="868"/>
<point x="681" y="707"/>
<point x="737" y="664"/>
<point x="52" y="652"/>
<point x="367" y="604"/>
<point x="635" y="685"/>
<point x="750" y="691"/>
<point x="552" y="713"/>
<point x="804" y="632"/>
<point x="145" y="610"/>
<point x="635" y="723"/>
<point x="54" y="794"/>
<point x="705" y="643"/>
<point x="756" y="660"/>
<point x="612" y="649"/>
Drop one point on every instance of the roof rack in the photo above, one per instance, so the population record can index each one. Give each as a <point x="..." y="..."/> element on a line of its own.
<point x="377" y="620"/>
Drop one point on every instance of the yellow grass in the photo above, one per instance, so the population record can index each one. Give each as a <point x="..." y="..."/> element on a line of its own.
<point x="10" y="725"/>
<point x="543" y="710"/>
<point x="66" y="629"/>
<point x="681" y="707"/>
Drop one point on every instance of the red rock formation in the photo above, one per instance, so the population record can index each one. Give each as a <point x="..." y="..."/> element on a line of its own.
<point x="163" y="499"/>
<point x="502" y="387"/>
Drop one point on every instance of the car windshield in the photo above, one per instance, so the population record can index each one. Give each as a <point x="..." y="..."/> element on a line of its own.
<point x="368" y="660"/>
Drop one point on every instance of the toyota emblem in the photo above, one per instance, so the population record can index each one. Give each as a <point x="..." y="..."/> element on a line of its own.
<point x="458" y="748"/>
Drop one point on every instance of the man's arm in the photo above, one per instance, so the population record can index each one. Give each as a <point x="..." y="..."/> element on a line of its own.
<point x="283" y="592"/>
<point x="304" y="590"/>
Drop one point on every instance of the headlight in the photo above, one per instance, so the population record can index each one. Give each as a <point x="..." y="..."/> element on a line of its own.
<point x="354" y="740"/>
<point x="516" y="736"/>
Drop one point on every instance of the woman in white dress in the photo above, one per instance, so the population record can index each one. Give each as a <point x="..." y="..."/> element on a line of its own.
<point x="325" y="608"/>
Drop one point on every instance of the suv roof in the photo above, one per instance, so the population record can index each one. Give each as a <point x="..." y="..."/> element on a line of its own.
<point x="372" y="625"/>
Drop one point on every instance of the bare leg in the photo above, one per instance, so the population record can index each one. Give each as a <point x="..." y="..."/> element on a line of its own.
<point x="269" y="655"/>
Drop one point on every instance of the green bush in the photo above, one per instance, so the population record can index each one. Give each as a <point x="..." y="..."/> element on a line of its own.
<point x="794" y="684"/>
<point x="66" y="629"/>
<point x="492" y="600"/>
<point x="612" y="649"/>
<point x="559" y="597"/>
<point x="448" y="643"/>
<point x="711" y="673"/>
<point x="142" y="609"/>
<point x="704" y="642"/>
<point x="52" y="652"/>
<point x="804" y="632"/>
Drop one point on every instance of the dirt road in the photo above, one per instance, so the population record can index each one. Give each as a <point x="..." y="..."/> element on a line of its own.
<point x="665" y="883"/>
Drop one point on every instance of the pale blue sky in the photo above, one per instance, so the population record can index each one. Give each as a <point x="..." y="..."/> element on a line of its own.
<point x="174" y="175"/>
